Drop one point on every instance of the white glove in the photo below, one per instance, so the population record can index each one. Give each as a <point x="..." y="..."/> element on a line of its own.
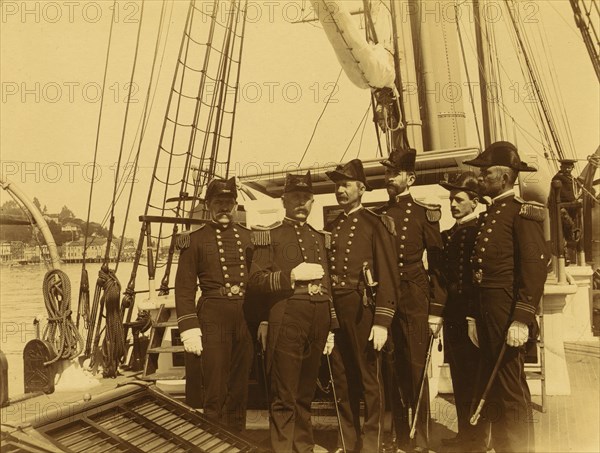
<point x="307" y="271"/>
<point x="379" y="336"/>
<point x="435" y="324"/>
<point x="329" y="344"/>
<point x="472" y="331"/>
<point x="517" y="334"/>
<point x="263" y="329"/>
<point x="192" y="340"/>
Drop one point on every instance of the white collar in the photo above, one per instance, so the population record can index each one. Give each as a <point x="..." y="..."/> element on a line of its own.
<point x="403" y="194"/>
<point x="360" y="206"/>
<point x="298" y="222"/>
<point x="466" y="218"/>
<point x="503" y="195"/>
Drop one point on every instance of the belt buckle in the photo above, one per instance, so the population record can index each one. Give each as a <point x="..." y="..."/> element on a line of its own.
<point x="235" y="289"/>
<point x="314" y="289"/>
<point x="478" y="276"/>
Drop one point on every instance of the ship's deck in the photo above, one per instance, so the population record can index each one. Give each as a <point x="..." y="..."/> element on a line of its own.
<point x="570" y="423"/>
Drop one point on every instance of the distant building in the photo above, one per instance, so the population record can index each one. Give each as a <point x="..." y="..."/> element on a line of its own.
<point x="73" y="228"/>
<point x="96" y="249"/>
<point x="5" y="252"/>
<point x="17" y="250"/>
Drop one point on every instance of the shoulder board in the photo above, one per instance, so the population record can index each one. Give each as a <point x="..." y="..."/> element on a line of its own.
<point x="531" y="210"/>
<point x="183" y="238"/>
<point x="386" y="220"/>
<point x="261" y="235"/>
<point x="433" y="212"/>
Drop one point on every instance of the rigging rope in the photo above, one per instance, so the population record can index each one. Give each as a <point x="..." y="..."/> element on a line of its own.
<point x="362" y="120"/>
<point x="464" y="58"/>
<point x="82" y="301"/>
<point x="319" y="119"/>
<point x="113" y="346"/>
<point x="144" y="123"/>
<point x="60" y="330"/>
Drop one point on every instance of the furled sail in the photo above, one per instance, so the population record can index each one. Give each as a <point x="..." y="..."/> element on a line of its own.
<point x="366" y="64"/>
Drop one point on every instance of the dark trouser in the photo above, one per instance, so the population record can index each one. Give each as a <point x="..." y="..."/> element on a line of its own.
<point x="299" y="336"/>
<point x="463" y="358"/>
<point x="410" y="333"/>
<point x="357" y="372"/>
<point x="508" y="406"/>
<point x="223" y="368"/>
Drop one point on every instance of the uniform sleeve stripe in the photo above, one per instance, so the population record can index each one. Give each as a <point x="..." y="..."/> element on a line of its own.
<point x="190" y="316"/>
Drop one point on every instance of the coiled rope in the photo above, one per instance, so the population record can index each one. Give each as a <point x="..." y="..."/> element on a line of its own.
<point x="60" y="330"/>
<point x="113" y="346"/>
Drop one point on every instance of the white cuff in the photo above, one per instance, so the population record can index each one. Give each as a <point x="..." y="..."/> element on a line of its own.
<point x="190" y="333"/>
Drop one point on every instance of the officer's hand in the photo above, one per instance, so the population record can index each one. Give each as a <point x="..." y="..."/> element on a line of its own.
<point x="517" y="334"/>
<point x="435" y="324"/>
<point x="263" y="329"/>
<point x="329" y="344"/>
<point x="379" y="336"/>
<point x="472" y="331"/>
<point x="192" y="341"/>
<point x="307" y="271"/>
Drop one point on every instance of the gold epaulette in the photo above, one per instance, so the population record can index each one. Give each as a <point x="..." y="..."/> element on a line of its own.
<point x="261" y="235"/>
<point x="433" y="212"/>
<point x="531" y="210"/>
<point x="183" y="240"/>
<point x="387" y="221"/>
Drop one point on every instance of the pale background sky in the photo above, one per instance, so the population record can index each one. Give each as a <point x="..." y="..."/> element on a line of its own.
<point x="52" y="63"/>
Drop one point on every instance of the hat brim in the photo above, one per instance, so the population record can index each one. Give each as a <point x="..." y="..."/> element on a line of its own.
<point x="479" y="163"/>
<point x="387" y="163"/>
<point x="337" y="176"/>
<point x="450" y="187"/>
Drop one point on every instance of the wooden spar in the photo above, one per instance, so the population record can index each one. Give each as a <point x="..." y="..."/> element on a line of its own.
<point x="37" y="216"/>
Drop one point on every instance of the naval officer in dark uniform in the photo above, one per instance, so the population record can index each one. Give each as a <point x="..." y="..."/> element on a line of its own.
<point x="509" y="267"/>
<point x="364" y="295"/>
<point x="422" y="291"/>
<point x="462" y="355"/>
<point x="290" y="270"/>
<point x="568" y="194"/>
<point x="214" y="332"/>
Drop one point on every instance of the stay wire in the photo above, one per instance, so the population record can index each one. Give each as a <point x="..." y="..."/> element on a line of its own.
<point x="319" y="119"/>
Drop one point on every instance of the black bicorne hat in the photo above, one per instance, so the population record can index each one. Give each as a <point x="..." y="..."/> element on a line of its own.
<point x="352" y="171"/>
<point x="504" y="154"/>
<point x="401" y="159"/>
<point x="465" y="182"/>
<point x="301" y="183"/>
<point x="219" y="186"/>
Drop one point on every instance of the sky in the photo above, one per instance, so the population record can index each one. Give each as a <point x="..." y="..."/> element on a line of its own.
<point x="52" y="64"/>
